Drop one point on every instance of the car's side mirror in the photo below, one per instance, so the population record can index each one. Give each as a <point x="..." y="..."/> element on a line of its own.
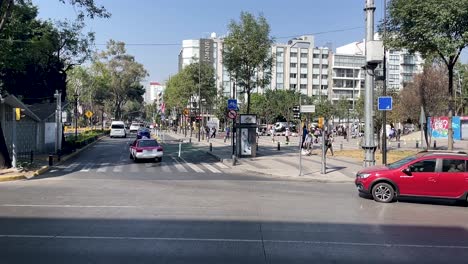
<point x="407" y="171"/>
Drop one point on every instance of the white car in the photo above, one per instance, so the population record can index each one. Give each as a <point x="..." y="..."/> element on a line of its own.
<point x="117" y="129"/>
<point x="146" y="149"/>
<point x="134" y="127"/>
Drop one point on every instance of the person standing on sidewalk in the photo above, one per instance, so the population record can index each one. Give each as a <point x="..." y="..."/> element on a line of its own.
<point x="287" y="134"/>
<point x="304" y="134"/>
<point x="227" y="134"/>
<point x="329" y="143"/>
<point x="272" y="132"/>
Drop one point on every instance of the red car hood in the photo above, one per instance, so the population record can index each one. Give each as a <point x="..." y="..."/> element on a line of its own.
<point x="373" y="169"/>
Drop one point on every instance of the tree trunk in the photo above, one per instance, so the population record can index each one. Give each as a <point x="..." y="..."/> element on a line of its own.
<point x="451" y="102"/>
<point x="5" y="160"/>
<point x="248" y="100"/>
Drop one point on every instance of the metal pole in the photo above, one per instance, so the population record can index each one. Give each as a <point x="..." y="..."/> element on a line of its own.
<point x="76" y="117"/>
<point x="369" y="144"/>
<point x="301" y="136"/>
<point x="199" y="99"/>
<point x="384" y="93"/>
<point x="13" y="140"/>
<point x="323" y="169"/>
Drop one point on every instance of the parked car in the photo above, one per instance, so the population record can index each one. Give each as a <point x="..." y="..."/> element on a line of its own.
<point x="281" y="126"/>
<point x="146" y="149"/>
<point x="134" y="127"/>
<point x="117" y="129"/>
<point x="440" y="174"/>
<point x="143" y="133"/>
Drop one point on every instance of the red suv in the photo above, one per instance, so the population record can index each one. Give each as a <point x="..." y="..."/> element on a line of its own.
<point x="426" y="174"/>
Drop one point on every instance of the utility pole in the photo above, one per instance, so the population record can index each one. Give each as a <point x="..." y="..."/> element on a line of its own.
<point x="199" y="100"/>
<point x="369" y="144"/>
<point x="76" y="116"/>
<point x="58" y="121"/>
<point x="384" y="93"/>
<point x="13" y="140"/>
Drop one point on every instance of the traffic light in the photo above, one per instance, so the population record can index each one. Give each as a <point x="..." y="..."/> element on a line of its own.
<point x="320" y="122"/>
<point x="297" y="112"/>
<point x="18" y="114"/>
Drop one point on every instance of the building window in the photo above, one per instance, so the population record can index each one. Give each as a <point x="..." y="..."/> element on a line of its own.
<point x="316" y="66"/>
<point x="279" y="64"/>
<point x="304" y="55"/>
<point x="303" y="75"/>
<point x="303" y="65"/>
<point x="324" y="76"/>
<point x="324" y="56"/>
<point x="279" y="86"/>
<point x="293" y="75"/>
<point x="279" y="75"/>
<point x="394" y="67"/>
<point x="324" y="66"/>
<point x="315" y="76"/>
<point x="315" y="87"/>
<point x="293" y="65"/>
<point x="303" y="86"/>
<point x="293" y="54"/>
<point x="324" y="87"/>
<point x="316" y="56"/>
<point x="293" y="86"/>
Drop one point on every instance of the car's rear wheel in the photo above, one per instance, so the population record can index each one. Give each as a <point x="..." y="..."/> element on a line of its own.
<point x="383" y="192"/>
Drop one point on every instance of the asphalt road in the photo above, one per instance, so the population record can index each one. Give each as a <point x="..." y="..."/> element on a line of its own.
<point x="102" y="208"/>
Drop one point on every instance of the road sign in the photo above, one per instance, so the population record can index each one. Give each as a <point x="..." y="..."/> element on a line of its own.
<point x="88" y="114"/>
<point x="186" y="112"/>
<point x="232" y="104"/>
<point x="232" y="114"/>
<point x="307" y="108"/>
<point x="385" y="103"/>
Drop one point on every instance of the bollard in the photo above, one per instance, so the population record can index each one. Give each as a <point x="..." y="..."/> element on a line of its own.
<point x="190" y="140"/>
<point x="211" y="147"/>
<point x="435" y="144"/>
<point x="398" y="145"/>
<point x="279" y="146"/>
<point x="417" y="144"/>
<point x="51" y="160"/>
<point x="32" y="156"/>
<point x="233" y="160"/>
<point x="341" y="146"/>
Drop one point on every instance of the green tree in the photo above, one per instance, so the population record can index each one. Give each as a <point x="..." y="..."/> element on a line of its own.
<point x="342" y="108"/>
<point x="125" y="75"/>
<point x="246" y="53"/>
<point x="431" y="27"/>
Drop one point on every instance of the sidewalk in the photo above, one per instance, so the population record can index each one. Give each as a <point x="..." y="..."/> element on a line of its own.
<point x="279" y="163"/>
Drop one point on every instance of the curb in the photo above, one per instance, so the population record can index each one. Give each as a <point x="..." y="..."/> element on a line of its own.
<point x="46" y="168"/>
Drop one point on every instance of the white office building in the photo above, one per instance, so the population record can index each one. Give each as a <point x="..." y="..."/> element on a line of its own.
<point x="154" y="93"/>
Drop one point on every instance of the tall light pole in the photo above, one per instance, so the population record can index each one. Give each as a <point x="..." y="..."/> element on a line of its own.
<point x="369" y="144"/>
<point x="199" y="100"/>
<point x="384" y="93"/>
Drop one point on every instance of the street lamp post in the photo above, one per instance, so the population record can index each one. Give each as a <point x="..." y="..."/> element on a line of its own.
<point x="76" y="115"/>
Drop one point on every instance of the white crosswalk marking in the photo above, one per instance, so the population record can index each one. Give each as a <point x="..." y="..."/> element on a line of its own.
<point x="180" y="167"/>
<point x="222" y="166"/>
<point x="165" y="168"/>
<point x="194" y="167"/>
<point x="87" y="167"/>
<point x="211" y="168"/>
<point x="103" y="167"/>
<point x="71" y="167"/>
<point x="118" y="168"/>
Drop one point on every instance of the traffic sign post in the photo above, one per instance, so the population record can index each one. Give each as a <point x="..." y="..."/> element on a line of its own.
<point x="385" y="103"/>
<point x="232" y="104"/>
<point x="88" y="114"/>
<point x="232" y="114"/>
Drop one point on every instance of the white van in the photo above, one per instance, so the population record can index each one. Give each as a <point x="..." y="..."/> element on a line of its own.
<point x="118" y="129"/>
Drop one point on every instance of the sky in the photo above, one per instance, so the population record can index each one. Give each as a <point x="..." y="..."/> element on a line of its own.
<point x="143" y="23"/>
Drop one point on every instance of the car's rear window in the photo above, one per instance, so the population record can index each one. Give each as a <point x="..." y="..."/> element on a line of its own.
<point x="401" y="162"/>
<point x="117" y="126"/>
<point x="148" y="143"/>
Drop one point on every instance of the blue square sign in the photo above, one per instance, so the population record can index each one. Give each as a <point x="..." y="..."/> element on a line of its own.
<point x="385" y="103"/>
<point x="232" y="104"/>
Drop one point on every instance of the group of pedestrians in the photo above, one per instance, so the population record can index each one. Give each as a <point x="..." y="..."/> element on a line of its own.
<point x="210" y="132"/>
<point x="311" y="137"/>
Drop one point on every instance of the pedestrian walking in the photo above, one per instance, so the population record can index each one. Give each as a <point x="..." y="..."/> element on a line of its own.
<point x="207" y="132"/>
<point x="304" y="134"/>
<point x="272" y="132"/>
<point x="287" y="134"/>
<point x="227" y="134"/>
<point x="329" y="143"/>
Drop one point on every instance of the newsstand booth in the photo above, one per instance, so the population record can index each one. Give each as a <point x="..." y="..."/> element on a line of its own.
<point x="246" y="136"/>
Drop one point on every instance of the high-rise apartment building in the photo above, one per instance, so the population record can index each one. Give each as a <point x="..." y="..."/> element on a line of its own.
<point x="154" y="93"/>
<point x="300" y="66"/>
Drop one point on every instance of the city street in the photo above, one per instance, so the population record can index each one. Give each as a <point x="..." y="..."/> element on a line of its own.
<point x="101" y="207"/>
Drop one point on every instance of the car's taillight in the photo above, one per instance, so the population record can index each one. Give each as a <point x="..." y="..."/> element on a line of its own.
<point x="139" y="150"/>
<point x="159" y="149"/>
